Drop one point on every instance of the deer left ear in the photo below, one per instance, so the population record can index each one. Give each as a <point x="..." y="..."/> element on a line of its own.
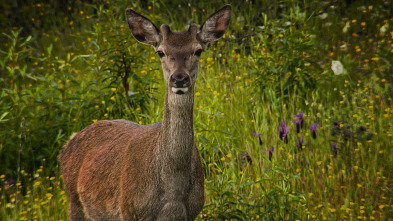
<point x="215" y="26"/>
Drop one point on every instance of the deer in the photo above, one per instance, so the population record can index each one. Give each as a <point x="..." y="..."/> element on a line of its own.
<point x="121" y="170"/>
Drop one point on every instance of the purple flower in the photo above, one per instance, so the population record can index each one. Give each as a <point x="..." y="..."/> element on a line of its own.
<point x="313" y="129"/>
<point x="10" y="182"/>
<point x="334" y="149"/>
<point x="270" y="150"/>
<point x="298" y="121"/>
<point x="283" y="131"/>
<point x="300" y="143"/>
<point x="245" y="155"/>
<point x="258" y="136"/>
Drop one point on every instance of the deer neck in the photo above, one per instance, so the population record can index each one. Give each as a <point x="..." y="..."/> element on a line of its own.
<point x="177" y="135"/>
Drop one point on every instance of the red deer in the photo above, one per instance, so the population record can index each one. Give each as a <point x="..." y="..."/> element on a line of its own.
<point x="120" y="170"/>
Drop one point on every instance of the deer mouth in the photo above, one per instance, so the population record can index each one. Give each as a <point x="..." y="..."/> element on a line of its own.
<point x="179" y="90"/>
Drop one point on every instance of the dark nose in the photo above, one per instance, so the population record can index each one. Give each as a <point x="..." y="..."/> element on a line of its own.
<point x="180" y="79"/>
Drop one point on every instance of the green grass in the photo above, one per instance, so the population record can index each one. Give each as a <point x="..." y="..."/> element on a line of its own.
<point x="274" y="61"/>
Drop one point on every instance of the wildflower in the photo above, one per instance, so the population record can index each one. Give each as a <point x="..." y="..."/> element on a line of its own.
<point x="270" y="150"/>
<point x="337" y="67"/>
<point x="299" y="121"/>
<point x="346" y="27"/>
<point x="258" y="136"/>
<point x="10" y="182"/>
<point x="300" y="143"/>
<point x="245" y="155"/>
<point x="334" y="149"/>
<point x="384" y="28"/>
<point x="283" y="131"/>
<point x="313" y="129"/>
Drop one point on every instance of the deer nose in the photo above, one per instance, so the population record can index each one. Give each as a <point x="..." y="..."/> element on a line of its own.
<point x="180" y="79"/>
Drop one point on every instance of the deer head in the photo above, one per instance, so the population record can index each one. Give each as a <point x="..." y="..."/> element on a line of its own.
<point x="179" y="51"/>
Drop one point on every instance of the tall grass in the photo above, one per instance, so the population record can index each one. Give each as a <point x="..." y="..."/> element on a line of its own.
<point x="63" y="68"/>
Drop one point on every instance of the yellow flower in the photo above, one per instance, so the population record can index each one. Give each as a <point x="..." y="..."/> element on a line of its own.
<point x="332" y="210"/>
<point x="222" y="158"/>
<point x="381" y="206"/>
<point x="229" y="155"/>
<point x="49" y="195"/>
<point x="319" y="163"/>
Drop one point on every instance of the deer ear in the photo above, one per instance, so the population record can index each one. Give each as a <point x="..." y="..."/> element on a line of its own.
<point x="215" y="26"/>
<point x="142" y="28"/>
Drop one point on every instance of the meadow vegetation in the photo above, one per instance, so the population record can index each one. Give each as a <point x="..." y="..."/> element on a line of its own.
<point x="283" y="134"/>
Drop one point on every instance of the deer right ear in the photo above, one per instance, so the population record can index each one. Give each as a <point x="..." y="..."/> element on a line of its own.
<point x="142" y="28"/>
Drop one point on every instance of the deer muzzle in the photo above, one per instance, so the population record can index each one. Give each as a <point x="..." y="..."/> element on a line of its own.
<point x="179" y="82"/>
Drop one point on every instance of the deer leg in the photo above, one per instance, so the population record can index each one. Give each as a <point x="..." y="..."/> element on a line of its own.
<point x="76" y="210"/>
<point x="173" y="210"/>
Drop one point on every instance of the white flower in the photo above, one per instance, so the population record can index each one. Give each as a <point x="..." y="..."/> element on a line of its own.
<point x="384" y="28"/>
<point x="323" y="16"/>
<point x="346" y="27"/>
<point x="337" y="67"/>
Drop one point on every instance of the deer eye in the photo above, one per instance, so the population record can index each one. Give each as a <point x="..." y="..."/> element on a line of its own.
<point x="199" y="52"/>
<point x="160" y="53"/>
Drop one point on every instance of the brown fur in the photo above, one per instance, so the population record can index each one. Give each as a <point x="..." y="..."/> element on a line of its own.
<point x="120" y="170"/>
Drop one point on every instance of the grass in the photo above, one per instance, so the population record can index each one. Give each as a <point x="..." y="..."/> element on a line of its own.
<point x="274" y="61"/>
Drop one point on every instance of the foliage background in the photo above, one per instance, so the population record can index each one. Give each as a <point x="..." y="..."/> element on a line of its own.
<point x="66" y="64"/>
